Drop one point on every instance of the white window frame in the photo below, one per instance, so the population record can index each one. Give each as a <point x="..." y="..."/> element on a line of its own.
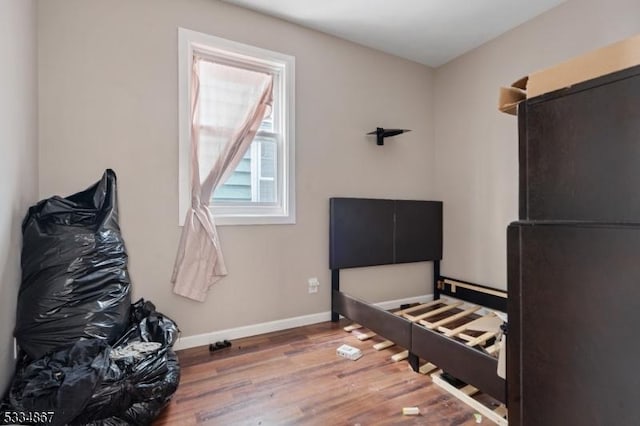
<point x="283" y="68"/>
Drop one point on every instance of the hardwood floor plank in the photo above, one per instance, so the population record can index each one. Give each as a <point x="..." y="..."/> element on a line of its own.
<point x="294" y="377"/>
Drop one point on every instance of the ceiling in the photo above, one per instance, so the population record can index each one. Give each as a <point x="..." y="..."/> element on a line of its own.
<point x="431" y="32"/>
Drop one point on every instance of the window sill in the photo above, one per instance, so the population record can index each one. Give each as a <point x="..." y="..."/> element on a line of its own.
<point x="254" y="220"/>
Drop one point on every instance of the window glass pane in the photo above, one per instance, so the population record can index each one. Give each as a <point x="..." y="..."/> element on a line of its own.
<point x="268" y="191"/>
<point x="225" y="91"/>
<point x="238" y="186"/>
<point x="268" y="170"/>
<point x="228" y="192"/>
<point x="268" y="158"/>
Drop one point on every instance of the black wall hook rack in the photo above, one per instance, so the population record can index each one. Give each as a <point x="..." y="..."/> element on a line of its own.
<point x="385" y="133"/>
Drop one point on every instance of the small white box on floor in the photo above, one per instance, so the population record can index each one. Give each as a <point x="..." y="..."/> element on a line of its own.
<point x="349" y="352"/>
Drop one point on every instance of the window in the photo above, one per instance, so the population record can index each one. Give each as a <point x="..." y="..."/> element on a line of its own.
<point x="261" y="188"/>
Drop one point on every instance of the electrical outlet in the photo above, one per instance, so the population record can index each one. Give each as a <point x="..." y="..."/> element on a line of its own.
<point x="313" y="284"/>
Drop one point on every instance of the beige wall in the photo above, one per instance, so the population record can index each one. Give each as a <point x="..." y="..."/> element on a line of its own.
<point x="477" y="147"/>
<point x="18" y="158"/>
<point x="108" y="98"/>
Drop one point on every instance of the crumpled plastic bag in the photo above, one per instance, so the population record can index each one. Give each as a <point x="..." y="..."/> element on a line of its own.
<point x="75" y="282"/>
<point x="136" y="387"/>
<point x="61" y="382"/>
<point x="91" y="383"/>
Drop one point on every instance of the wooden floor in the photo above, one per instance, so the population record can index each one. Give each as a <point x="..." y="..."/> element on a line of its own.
<point x="294" y="377"/>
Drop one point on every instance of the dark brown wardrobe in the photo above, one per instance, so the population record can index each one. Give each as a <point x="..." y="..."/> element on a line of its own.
<point x="574" y="258"/>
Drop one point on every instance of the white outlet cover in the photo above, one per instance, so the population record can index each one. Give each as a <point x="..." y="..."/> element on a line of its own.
<point x="313" y="284"/>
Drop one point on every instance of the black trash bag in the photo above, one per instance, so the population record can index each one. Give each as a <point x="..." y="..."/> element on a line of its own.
<point x="143" y="413"/>
<point x="58" y="385"/>
<point x="143" y="374"/>
<point x="148" y="325"/>
<point x="75" y="282"/>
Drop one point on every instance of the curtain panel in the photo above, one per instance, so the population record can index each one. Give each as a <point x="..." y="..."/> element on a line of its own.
<point x="225" y="118"/>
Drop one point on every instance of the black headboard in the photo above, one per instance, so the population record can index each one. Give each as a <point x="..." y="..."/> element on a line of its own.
<point x="368" y="232"/>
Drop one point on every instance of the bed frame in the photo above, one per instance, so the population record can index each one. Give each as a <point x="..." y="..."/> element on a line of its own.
<point x="371" y="232"/>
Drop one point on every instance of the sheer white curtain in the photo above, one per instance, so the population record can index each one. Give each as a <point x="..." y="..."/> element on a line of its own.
<point x="227" y="106"/>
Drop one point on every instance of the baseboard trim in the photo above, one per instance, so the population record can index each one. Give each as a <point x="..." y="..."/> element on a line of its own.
<point x="205" y="339"/>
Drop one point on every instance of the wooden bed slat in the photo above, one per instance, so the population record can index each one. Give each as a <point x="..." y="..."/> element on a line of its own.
<point x="427" y="368"/>
<point x="449" y="319"/>
<point x="479" y="289"/>
<point x="469" y="390"/>
<point x="365" y="336"/>
<point x="400" y="356"/>
<point x="383" y="345"/>
<point x="418" y="307"/>
<point x="448" y="307"/>
<point x="352" y="327"/>
<point x="482" y="338"/>
<point x="465" y="336"/>
<point x="465" y="326"/>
